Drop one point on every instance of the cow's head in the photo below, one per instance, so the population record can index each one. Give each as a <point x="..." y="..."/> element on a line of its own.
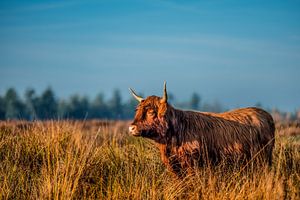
<point x="150" y="117"/>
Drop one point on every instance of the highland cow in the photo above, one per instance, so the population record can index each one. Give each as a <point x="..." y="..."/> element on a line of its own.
<point x="189" y="139"/>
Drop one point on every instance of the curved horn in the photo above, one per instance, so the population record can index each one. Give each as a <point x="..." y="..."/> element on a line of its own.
<point x="135" y="95"/>
<point x="165" y="96"/>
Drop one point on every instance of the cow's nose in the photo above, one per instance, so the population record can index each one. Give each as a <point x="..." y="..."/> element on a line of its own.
<point x="132" y="128"/>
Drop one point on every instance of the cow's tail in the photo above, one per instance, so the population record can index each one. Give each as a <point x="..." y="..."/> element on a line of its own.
<point x="271" y="143"/>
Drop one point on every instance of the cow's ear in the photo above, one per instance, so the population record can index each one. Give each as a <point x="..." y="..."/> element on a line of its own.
<point x="162" y="110"/>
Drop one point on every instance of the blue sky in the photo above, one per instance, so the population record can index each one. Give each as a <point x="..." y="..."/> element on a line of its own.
<point x="236" y="52"/>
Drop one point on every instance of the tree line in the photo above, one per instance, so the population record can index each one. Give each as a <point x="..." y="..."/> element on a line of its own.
<point x="47" y="106"/>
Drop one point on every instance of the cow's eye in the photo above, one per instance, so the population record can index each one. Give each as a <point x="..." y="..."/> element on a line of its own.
<point x="151" y="113"/>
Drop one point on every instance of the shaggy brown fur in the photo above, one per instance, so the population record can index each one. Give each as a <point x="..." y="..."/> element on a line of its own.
<point x="188" y="138"/>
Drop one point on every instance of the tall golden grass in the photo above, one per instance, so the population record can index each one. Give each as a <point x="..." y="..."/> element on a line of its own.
<point x="99" y="160"/>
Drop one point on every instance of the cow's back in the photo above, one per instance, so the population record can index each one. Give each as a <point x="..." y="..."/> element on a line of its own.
<point x="253" y="118"/>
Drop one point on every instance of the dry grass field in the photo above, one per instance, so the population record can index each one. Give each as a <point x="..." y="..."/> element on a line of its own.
<point x="99" y="160"/>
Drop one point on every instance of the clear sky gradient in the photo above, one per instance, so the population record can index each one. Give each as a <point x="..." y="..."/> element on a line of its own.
<point x="237" y="52"/>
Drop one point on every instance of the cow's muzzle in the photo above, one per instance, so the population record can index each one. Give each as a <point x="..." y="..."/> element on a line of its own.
<point x="133" y="130"/>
